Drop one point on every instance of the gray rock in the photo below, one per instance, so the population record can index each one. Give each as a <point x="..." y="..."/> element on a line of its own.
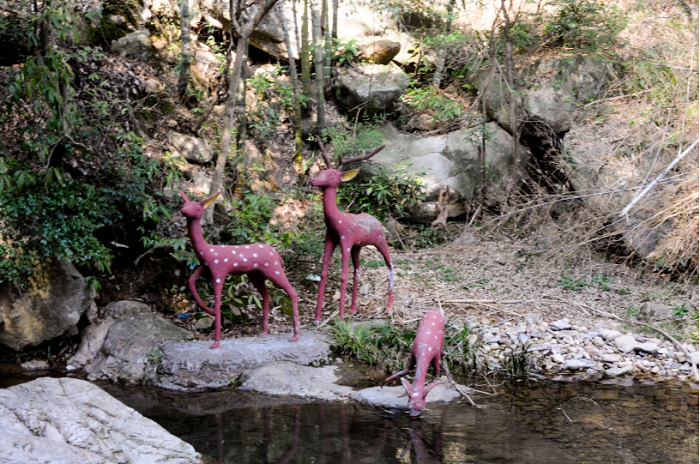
<point x="694" y="357"/>
<point x="625" y="343"/>
<point x="657" y="311"/>
<point x="36" y="365"/>
<point x="522" y="338"/>
<point x="286" y="378"/>
<point x="565" y="333"/>
<point x="193" y="366"/>
<point x="617" y="371"/>
<point x="395" y="397"/>
<point x="576" y="364"/>
<point x="378" y="86"/>
<point x="131" y="348"/>
<point x="136" y="46"/>
<point x="448" y="160"/>
<point x="93" y="338"/>
<point x="611" y="358"/>
<point x="649" y="347"/>
<point x="557" y="358"/>
<point x="562" y="324"/>
<point x="536" y="333"/>
<point x="204" y="323"/>
<point x="50" y="306"/>
<point x="201" y="182"/>
<point x="191" y="148"/>
<point x="69" y="421"/>
<point x="610" y="334"/>
<point x="380" y="51"/>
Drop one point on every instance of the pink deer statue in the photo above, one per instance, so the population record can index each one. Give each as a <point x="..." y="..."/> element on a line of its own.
<point x="258" y="261"/>
<point x="427" y="349"/>
<point x="349" y="231"/>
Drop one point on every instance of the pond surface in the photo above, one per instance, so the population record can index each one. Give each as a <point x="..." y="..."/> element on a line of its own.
<point x="541" y="422"/>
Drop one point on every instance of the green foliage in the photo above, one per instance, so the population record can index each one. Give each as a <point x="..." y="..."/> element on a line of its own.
<point x="389" y="346"/>
<point x="517" y="362"/>
<point x="345" y="53"/>
<point x="250" y="222"/>
<point x="433" y="102"/>
<point x="387" y="192"/>
<point x="568" y="282"/>
<point x="680" y="311"/>
<point x="37" y="224"/>
<point x="365" y="137"/>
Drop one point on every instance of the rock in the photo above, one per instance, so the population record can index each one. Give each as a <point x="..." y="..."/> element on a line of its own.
<point x="136" y="45"/>
<point x="68" y="421"/>
<point x="381" y="51"/>
<point x="204" y="323"/>
<point x="625" y="343"/>
<point x="91" y="343"/>
<point x="562" y="324"/>
<point x="286" y="378"/>
<point x="694" y="358"/>
<point x="565" y="333"/>
<point x="522" y="338"/>
<point x="55" y="297"/>
<point x="536" y="333"/>
<point x="575" y="364"/>
<point x="376" y="85"/>
<point x="395" y="398"/>
<point x="617" y="371"/>
<point x="648" y="347"/>
<point x="599" y="342"/>
<point x="609" y="334"/>
<point x="592" y="351"/>
<point x="131" y="348"/>
<point x="191" y="148"/>
<point x="557" y="358"/>
<point x="192" y="366"/>
<point x="202" y="183"/>
<point x="563" y="84"/>
<point x="446" y="160"/>
<point x="36" y="365"/>
<point x="611" y="358"/>
<point x="657" y="311"/>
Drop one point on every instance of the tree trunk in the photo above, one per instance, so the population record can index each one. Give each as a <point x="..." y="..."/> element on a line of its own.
<point x="334" y="32"/>
<point x="318" y="63"/>
<point x="437" y="77"/>
<point x="186" y="48"/>
<point x="328" y="51"/>
<point x="234" y="79"/>
<point x="514" y="103"/>
<point x="296" y="27"/>
<point x="242" y="133"/>
<point x="297" y="97"/>
<point x="305" y="64"/>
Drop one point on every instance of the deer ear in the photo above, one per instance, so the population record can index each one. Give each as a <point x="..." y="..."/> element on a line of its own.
<point x="184" y="197"/>
<point x="407" y="385"/>
<point x="350" y="175"/>
<point x="430" y="387"/>
<point x="206" y="202"/>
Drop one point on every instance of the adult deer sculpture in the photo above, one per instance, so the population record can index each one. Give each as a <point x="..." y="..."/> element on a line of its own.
<point x="427" y="349"/>
<point x="349" y="231"/>
<point x="258" y="261"/>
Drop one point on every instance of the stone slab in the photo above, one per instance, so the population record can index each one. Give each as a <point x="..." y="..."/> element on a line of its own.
<point x="193" y="366"/>
<point x="395" y="398"/>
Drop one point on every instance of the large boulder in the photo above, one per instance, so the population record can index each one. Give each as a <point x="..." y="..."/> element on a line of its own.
<point x="125" y="347"/>
<point x="191" y="148"/>
<point x="562" y="85"/>
<point x="50" y="305"/>
<point x="450" y="160"/>
<point x="381" y="51"/>
<point x="69" y="421"/>
<point x="193" y="366"/>
<point x="375" y="86"/>
<point x="136" y="45"/>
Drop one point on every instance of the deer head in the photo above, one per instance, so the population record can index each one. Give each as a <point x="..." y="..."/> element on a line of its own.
<point x="195" y="209"/>
<point x="333" y="177"/>
<point x="417" y="394"/>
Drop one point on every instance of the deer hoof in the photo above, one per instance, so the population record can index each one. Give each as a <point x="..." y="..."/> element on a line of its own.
<point x="294" y="338"/>
<point x="263" y="333"/>
<point x="317" y="322"/>
<point x="214" y="346"/>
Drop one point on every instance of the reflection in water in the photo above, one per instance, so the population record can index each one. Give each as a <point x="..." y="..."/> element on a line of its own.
<point x="546" y="422"/>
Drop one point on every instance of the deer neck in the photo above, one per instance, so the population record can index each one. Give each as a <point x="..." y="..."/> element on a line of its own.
<point x="330" y="204"/>
<point x="194" y="228"/>
<point x="421" y="372"/>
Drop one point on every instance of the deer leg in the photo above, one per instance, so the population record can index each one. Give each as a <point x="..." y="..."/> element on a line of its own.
<point x="258" y="281"/>
<point x="193" y="288"/>
<point x="281" y="281"/>
<point x="344" y="278"/>
<point x="327" y="254"/>
<point x="436" y="365"/>
<point x="411" y="364"/>
<point x="384" y="250"/>
<point x="218" y="287"/>
<point x="356" y="281"/>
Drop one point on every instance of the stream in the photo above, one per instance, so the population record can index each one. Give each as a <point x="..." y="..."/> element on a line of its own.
<point x="538" y="422"/>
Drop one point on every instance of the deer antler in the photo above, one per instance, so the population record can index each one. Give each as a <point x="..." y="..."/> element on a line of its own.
<point x="360" y="158"/>
<point x="324" y="152"/>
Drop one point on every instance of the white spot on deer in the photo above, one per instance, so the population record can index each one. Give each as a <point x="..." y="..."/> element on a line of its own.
<point x="233" y="252"/>
<point x="275" y="263"/>
<point x="414" y="395"/>
<point x="255" y="265"/>
<point x="201" y="253"/>
<point x="235" y="264"/>
<point x="247" y="247"/>
<point x="226" y="260"/>
<point x="270" y="253"/>
<point x="255" y="255"/>
<point x="211" y="249"/>
<point x="267" y="264"/>
<point x="433" y="323"/>
<point x="342" y="237"/>
<point x="340" y="221"/>
<point x="277" y="272"/>
<point x="218" y="281"/>
<point x="348" y="250"/>
<point x="216" y="261"/>
<point x="245" y="260"/>
<point x="435" y="337"/>
<point x="260" y="246"/>
<point x="216" y="254"/>
<point x="430" y="348"/>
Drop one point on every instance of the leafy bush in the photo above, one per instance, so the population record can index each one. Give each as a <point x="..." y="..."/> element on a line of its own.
<point x="345" y="53"/>
<point x="250" y="222"/>
<point x="365" y="137"/>
<point x="387" y="192"/>
<point x="433" y="102"/>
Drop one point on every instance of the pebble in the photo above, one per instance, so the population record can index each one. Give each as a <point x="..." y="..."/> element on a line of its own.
<point x="575" y="364"/>
<point x="611" y="358"/>
<point x="562" y="324"/>
<point x="625" y="343"/>
<point x="649" y="347"/>
<point x="609" y="334"/>
<point x="557" y="358"/>
<point x="615" y="371"/>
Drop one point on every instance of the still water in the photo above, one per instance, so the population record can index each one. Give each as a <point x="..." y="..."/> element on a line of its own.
<point x="541" y="422"/>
